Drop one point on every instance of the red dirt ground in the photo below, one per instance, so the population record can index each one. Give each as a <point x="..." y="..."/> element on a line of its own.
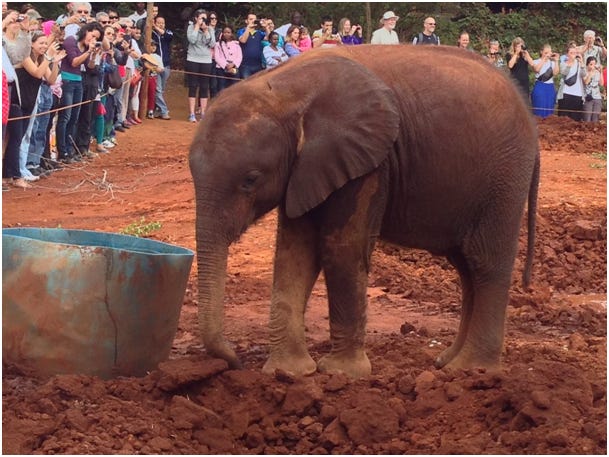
<point x="550" y="397"/>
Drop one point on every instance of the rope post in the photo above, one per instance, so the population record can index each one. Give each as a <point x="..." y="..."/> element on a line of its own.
<point x="146" y="73"/>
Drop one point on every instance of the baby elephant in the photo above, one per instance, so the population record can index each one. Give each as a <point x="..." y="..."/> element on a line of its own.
<point x="412" y="144"/>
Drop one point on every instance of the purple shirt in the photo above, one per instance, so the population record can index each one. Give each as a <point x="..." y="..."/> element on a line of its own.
<point x="352" y="39"/>
<point x="69" y="72"/>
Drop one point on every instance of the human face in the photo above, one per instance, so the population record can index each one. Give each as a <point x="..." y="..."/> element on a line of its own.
<point x="546" y="51"/>
<point x="390" y="23"/>
<point x="113" y="17"/>
<point x="590" y="39"/>
<point x="213" y="20"/>
<point x="160" y="22"/>
<point x="464" y="40"/>
<point x="494" y="48"/>
<point x="109" y="33"/>
<point x="227" y="34"/>
<point x="430" y="24"/>
<point x="591" y="66"/>
<point x="104" y="20"/>
<point x="155" y="11"/>
<point x="92" y="35"/>
<point x="82" y="11"/>
<point x="327" y="26"/>
<point x="295" y="35"/>
<point x="251" y="18"/>
<point x="40" y="46"/>
<point x="275" y="40"/>
<point x="346" y="27"/>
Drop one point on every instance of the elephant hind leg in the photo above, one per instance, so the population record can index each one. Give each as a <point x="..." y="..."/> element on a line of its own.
<point x="486" y="269"/>
<point x="458" y="261"/>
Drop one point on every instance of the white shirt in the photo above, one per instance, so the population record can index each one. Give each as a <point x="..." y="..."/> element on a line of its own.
<point x="384" y="36"/>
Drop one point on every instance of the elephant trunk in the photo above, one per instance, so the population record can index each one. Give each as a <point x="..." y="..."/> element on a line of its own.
<point x="211" y="263"/>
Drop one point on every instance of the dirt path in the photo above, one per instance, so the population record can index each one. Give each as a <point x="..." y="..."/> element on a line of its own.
<point x="549" y="398"/>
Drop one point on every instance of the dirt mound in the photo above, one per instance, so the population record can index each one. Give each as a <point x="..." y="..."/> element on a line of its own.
<point x="549" y="398"/>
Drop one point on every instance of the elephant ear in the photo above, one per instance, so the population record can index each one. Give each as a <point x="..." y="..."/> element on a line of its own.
<point x="346" y="128"/>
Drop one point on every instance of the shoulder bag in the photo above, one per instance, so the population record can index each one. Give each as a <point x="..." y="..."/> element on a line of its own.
<point x="573" y="78"/>
<point x="547" y="75"/>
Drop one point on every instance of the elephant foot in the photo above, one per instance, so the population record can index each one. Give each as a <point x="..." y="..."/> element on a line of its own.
<point x="222" y="350"/>
<point x="446" y="356"/>
<point x="302" y="365"/>
<point x="354" y="364"/>
<point x="466" y="359"/>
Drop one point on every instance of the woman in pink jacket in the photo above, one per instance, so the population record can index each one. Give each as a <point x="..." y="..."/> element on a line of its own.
<point x="228" y="56"/>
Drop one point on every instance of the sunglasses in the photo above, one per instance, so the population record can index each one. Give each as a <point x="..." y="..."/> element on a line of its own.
<point x="113" y="17"/>
<point x="213" y="18"/>
<point x="431" y="23"/>
<point x="104" y="22"/>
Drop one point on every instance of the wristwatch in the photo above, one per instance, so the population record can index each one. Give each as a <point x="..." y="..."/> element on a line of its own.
<point x="50" y="59"/>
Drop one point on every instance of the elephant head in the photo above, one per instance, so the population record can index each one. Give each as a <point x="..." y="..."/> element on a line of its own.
<point x="288" y="137"/>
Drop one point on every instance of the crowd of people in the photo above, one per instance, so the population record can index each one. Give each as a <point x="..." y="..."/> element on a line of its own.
<point x="74" y="82"/>
<point x="70" y="84"/>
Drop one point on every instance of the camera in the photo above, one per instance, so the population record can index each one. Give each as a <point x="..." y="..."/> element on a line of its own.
<point x="598" y="40"/>
<point x="494" y="53"/>
<point x="82" y="20"/>
<point x="524" y="47"/>
<point x="60" y="47"/>
<point x="20" y="18"/>
<point x="98" y="44"/>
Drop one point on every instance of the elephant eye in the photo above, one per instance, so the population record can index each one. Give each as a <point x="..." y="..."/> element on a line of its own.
<point x="249" y="183"/>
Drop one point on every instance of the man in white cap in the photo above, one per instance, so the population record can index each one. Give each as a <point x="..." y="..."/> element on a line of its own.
<point x="386" y="34"/>
<point x="427" y="36"/>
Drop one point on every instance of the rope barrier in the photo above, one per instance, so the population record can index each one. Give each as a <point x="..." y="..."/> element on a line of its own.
<point x="61" y="108"/>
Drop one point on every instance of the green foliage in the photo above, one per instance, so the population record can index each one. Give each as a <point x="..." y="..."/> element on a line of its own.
<point x="141" y="228"/>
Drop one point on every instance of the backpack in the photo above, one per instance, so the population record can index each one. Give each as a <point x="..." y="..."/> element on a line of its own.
<point x="434" y="39"/>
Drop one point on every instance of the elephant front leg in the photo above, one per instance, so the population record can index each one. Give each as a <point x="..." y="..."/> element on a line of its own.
<point x="346" y="279"/>
<point x="295" y="271"/>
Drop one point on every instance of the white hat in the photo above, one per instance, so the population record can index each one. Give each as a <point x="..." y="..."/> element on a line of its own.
<point x="390" y="15"/>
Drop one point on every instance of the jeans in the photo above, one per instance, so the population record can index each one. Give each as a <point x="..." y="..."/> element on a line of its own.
<point x="14" y="129"/>
<point x="86" y="116"/>
<point x="161" y="85"/>
<point x="224" y="81"/>
<point x="592" y="110"/>
<point x="37" y="130"/>
<point x="66" y="122"/>
<point x="249" y="70"/>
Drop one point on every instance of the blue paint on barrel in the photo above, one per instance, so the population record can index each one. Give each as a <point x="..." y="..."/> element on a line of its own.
<point x="78" y="301"/>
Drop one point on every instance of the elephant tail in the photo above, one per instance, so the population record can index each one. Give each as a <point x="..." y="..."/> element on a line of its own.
<point x="531" y="222"/>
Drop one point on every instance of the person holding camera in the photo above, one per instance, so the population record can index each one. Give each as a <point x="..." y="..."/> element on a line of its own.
<point x="593" y="81"/>
<point x="543" y="96"/>
<point x="571" y="89"/>
<point x="250" y="38"/>
<point x="593" y="47"/>
<point x="326" y="37"/>
<point x="80" y="15"/>
<point x="201" y="41"/>
<point x="494" y="54"/>
<point x="518" y="61"/>
<point x="350" y="34"/>
<point x="81" y="50"/>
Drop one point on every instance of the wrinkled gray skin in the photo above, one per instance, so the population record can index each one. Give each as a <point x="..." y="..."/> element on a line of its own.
<point x="426" y="147"/>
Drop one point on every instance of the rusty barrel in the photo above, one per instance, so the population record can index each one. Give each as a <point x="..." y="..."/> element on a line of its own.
<point x="78" y="301"/>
